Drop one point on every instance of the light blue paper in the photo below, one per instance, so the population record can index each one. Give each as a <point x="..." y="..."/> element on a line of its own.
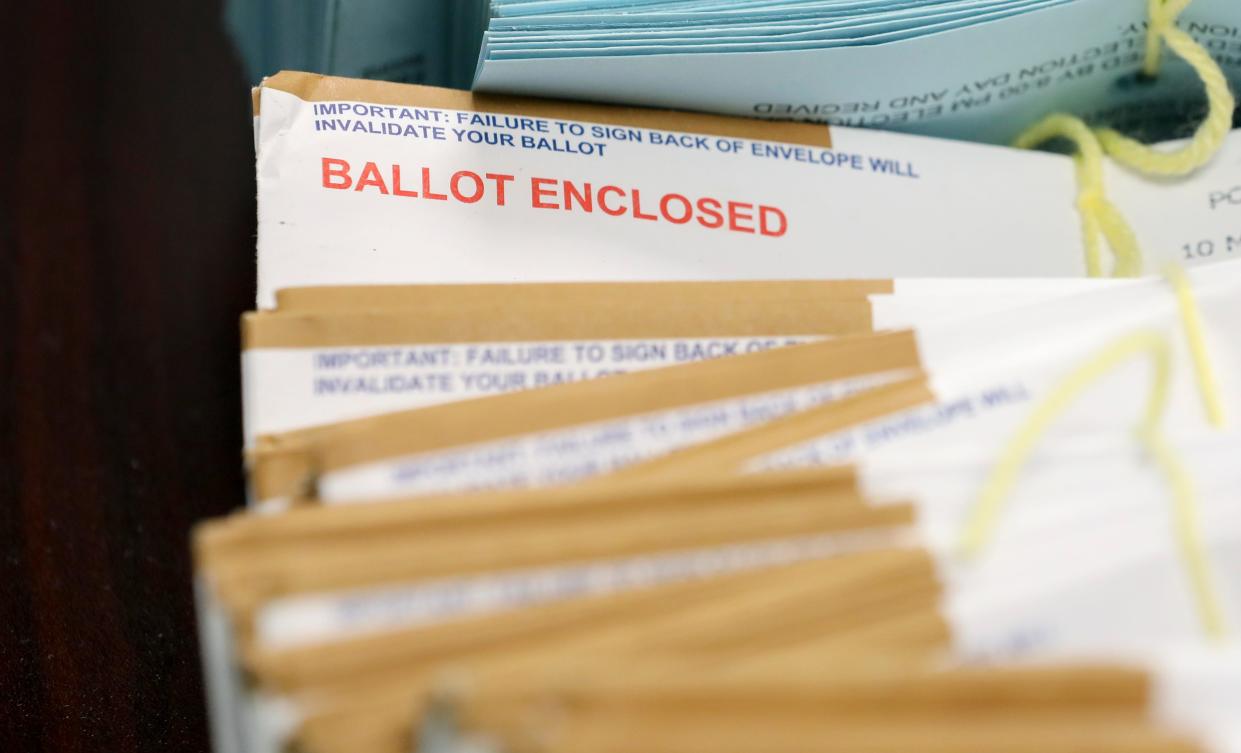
<point x="982" y="71"/>
<point x="839" y="34"/>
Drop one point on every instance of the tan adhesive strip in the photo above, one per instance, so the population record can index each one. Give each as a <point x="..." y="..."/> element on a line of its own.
<point x="730" y="454"/>
<point x="899" y="690"/>
<point x="766" y="687"/>
<point x="370" y="297"/>
<point x="309" y="528"/>
<point x="717" y="618"/>
<point x="501" y="320"/>
<point x="619" y="621"/>
<point x="313" y="87"/>
<point x="245" y="579"/>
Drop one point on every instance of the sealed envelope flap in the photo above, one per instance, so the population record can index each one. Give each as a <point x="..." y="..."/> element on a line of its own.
<point x="284" y="464"/>
<point x="730" y="453"/>
<point x="312" y="527"/>
<point x="245" y="579"/>
<point x="313" y="87"/>
<point x="369" y="297"/>
<point x="852" y="579"/>
<point x="530" y="321"/>
<point x="517" y="413"/>
<point x="281" y="462"/>
<point x="308" y="367"/>
<point x="246" y="547"/>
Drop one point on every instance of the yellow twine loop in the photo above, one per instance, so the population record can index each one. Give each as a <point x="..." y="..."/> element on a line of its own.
<point x="1099" y="216"/>
<point x="982" y="521"/>
<point x="1195" y="337"/>
<point x="1188" y="533"/>
<point x="1221" y="103"/>
<point x="1004" y="475"/>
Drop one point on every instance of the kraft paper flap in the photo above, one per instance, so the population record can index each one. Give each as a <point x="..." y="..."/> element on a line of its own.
<point x="826" y="598"/>
<point x="893" y="688"/>
<point x="846" y="576"/>
<point x="536" y="541"/>
<point x="952" y="733"/>
<point x="525" y="321"/>
<point x="1081" y="687"/>
<point x="283" y="464"/>
<point x="312" y="526"/>
<point x="243" y="542"/>
<point x="878" y="730"/>
<point x="763" y="687"/>
<point x="252" y="547"/>
<point x="648" y="688"/>
<point x="244" y="579"/>
<point x="369" y="297"/>
<point x="313" y="87"/>
<point x="729" y="454"/>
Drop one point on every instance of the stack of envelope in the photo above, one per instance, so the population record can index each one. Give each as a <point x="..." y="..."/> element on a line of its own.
<point x="973" y="69"/>
<point x="594" y="429"/>
<point x="979" y="70"/>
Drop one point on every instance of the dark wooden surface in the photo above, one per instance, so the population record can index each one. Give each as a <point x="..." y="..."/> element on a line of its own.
<point x="126" y="256"/>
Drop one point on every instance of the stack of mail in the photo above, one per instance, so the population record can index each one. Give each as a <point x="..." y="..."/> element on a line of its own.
<point x="667" y="510"/>
<point x="972" y="69"/>
<point x="592" y="429"/>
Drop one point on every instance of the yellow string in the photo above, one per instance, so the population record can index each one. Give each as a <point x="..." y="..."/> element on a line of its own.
<point x="1195" y="337"/>
<point x="982" y="521"/>
<point x="1003" y="476"/>
<point x="1221" y="103"/>
<point x="1099" y="216"/>
<point x="1188" y="533"/>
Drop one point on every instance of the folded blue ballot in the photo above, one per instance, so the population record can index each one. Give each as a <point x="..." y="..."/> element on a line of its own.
<point x="974" y="69"/>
